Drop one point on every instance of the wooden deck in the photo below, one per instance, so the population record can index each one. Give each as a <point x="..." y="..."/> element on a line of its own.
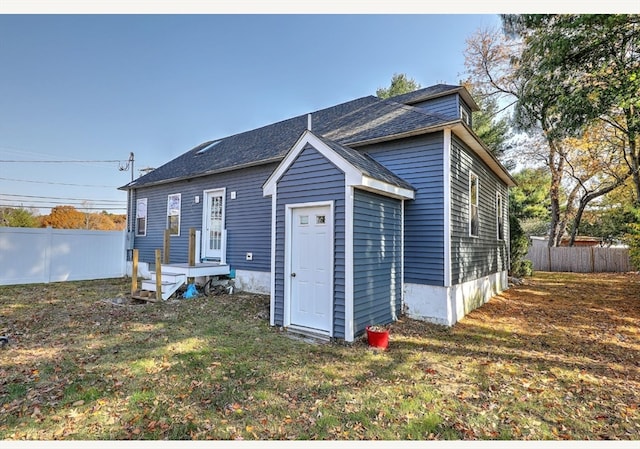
<point x="199" y="269"/>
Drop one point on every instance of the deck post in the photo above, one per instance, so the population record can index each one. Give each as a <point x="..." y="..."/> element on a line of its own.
<point x="158" y="275"/>
<point x="192" y="247"/>
<point x="167" y="246"/>
<point x="134" y="272"/>
<point x="192" y="252"/>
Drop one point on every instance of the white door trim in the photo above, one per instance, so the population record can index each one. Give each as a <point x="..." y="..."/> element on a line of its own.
<point x="205" y="218"/>
<point x="287" y="258"/>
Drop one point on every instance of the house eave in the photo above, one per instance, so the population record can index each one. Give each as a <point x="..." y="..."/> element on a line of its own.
<point x="131" y="186"/>
<point x="384" y="188"/>
<point x="470" y="138"/>
<point x="464" y="132"/>
<point x="461" y="129"/>
<point x="413" y="133"/>
<point x="464" y="93"/>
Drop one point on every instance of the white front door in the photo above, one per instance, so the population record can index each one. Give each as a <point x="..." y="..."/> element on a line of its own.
<point x="213" y="226"/>
<point x="311" y="259"/>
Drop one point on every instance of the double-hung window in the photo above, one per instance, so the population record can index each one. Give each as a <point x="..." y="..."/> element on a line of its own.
<point x="474" y="199"/>
<point x="499" y="216"/>
<point x="173" y="214"/>
<point x="141" y="217"/>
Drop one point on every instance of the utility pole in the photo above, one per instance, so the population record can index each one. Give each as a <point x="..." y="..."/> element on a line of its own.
<point x="129" y="166"/>
<point x="130" y="219"/>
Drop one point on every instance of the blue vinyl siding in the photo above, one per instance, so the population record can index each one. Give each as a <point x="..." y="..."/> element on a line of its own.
<point x="475" y="257"/>
<point x="377" y="252"/>
<point x="247" y="218"/>
<point x="419" y="161"/>
<point x="312" y="178"/>
<point x="446" y="106"/>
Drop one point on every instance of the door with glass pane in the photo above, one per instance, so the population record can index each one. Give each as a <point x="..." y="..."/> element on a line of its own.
<point x="213" y="226"/>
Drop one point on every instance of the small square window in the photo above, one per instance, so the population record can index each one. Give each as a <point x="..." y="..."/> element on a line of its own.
<point x="320" y="219"/>
<point x="464" y="115"/>
<point x="304" y="219"/>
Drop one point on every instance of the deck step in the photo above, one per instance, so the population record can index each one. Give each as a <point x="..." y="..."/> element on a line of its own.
<point x="145" y="295"/>
<point x="168" y="277"/>
<point x="170" y="283"/>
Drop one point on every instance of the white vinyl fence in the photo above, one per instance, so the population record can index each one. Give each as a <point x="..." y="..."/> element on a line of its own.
<point x="30" y="255"/>
<point x="580" y="259"/>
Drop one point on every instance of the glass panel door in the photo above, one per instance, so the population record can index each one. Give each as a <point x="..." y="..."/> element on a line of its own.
<point x="214" y="224"/>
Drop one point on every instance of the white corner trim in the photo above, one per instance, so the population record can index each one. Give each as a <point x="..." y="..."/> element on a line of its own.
<point x="272" y="302"/>
<point x="446" y="167"/>
<point x="402" y="300"/>
<point x="348" y="264"/>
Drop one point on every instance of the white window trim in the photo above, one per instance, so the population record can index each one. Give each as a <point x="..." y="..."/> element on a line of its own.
<point x="499" y="216"/>
<point x="146" y="216"/>
<point x="205" y="218"/>
<point x="179" y="195"/>
<point x="465" y="116"/>
<point x="471" y="175"/>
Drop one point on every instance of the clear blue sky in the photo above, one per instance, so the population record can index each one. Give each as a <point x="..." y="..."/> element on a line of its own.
<point x="97" y="87"/>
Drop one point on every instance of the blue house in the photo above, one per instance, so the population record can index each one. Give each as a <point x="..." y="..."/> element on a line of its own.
<point x="347" y="216"/>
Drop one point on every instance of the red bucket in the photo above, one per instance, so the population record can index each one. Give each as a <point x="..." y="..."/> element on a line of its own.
<point x="378" y="339"/>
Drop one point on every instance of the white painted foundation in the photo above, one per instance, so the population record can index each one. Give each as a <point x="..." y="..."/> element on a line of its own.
<point x="253" y="281"/>
<point x="143" y="270"/>
<point x="447" y="305"/>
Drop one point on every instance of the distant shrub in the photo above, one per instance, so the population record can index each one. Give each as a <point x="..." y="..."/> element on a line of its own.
<point x="519" y="244"/>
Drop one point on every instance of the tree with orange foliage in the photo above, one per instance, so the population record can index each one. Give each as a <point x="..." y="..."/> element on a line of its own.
<point x="65" y="217"/>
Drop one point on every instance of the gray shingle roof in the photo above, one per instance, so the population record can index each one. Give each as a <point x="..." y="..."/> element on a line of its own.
<point x="354" y="122"/>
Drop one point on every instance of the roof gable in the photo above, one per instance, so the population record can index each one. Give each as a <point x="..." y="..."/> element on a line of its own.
<point x="360" y="170"/>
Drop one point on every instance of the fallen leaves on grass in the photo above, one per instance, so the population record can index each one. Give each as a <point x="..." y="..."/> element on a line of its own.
<point x="555" y="358"/>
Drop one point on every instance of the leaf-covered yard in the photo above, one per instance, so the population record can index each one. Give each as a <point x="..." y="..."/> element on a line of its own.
<point x="556" y="358"/>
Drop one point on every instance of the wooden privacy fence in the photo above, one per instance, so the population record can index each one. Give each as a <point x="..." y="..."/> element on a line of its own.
<point x="580" y="259"/>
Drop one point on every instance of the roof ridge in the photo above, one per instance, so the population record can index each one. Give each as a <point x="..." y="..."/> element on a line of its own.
<point x="296" y="117"/>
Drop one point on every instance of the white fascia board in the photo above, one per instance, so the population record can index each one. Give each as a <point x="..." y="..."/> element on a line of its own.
<point x="472" y="141"/>
<point x="386" y="189"/>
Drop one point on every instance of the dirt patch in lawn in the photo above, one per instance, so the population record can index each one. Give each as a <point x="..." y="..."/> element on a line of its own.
<point x="555" y="358"/>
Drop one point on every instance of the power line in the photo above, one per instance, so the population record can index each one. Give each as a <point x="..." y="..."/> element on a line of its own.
<point x="63" y="198"/>
<point x="84" y="208"/>
<point x="57" y="183"/>
<point x="67" y="203"/>
<point x="61" y="162"/>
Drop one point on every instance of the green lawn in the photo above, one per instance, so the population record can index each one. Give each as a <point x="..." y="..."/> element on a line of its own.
<point x="556" y="358"/>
